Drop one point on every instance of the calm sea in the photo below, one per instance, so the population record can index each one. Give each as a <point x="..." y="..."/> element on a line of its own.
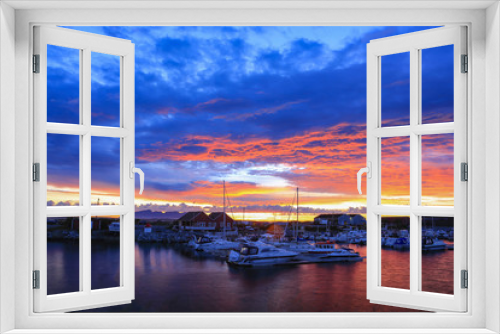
<point x="175" y="279"/>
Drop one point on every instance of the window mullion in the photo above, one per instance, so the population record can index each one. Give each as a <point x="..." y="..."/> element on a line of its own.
<point x="85" y="168"/>
<point x="414" y="169"/>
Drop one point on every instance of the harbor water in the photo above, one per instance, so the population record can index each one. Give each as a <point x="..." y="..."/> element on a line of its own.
<point x="173" y="278"/>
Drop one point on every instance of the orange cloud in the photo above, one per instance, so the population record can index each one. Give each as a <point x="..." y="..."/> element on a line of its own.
<point x="322" y="163"/>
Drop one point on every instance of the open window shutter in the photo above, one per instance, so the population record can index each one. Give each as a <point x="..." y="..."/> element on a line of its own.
<point x="416" y="296"/>
<point x="84" y="296"/>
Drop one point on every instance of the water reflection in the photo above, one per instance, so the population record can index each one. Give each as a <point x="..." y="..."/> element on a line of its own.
<point x="175" y="279"/>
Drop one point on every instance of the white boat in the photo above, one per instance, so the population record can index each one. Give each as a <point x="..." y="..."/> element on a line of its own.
<point x="401" y="244"/>
<point x="342" y="238"/>
<point x="322" y="252"/>
<point x="206" y="244"/>
<point x="114" y="227"/>
<point x="353" y="237"/>
<point x="193" y="241"/>
<point x="362" y="237"/>
<point x="433" y="244"/>
<point x="326" y="251"/>
<point x="403" y="241"/>
<point x="259" y="254"/>
<point x="442" y="234"/>
<point x="299" y="247"/>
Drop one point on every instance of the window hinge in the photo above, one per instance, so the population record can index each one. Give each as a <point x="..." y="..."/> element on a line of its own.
<point x="36" y="279"/>
<point x="36" y="172"/>
<point x="464" y="171"/>
<point x="465" y="64"/>
<point x="465" y="279"/>
<point x="36" y="63"/>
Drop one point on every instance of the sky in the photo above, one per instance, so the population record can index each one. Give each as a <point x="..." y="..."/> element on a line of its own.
<point x="266" y="109"/>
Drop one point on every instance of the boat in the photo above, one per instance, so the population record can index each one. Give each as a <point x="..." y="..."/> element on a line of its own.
<point x="442" y="234"/>
<point x="114" y="227"/>
<point x="321" y="252"/>
<point x="362" y="237"/>
<point x="194" y="241"/>
<point x="327" y="251"/>
<point x="353" y="237"/>
<point x="209" y="244"/>
<point x="432" y="243"/>
<point x="206" y="244"/>
<point x="259" y="254"/>
<point x="342" y="238"/>
<point x="342" y="254"/>
<point x="402" y="242"/>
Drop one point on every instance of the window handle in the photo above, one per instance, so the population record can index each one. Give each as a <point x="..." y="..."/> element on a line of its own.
<point x="139" y="171"/>
<point x="368" y="171"/>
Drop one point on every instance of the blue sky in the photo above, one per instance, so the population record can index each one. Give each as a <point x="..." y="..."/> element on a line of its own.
<point x="265" y="108"/>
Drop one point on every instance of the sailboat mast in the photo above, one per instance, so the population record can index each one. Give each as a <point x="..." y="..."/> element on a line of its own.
<point x="224" y="207"/>
<point x="297" y="224"/>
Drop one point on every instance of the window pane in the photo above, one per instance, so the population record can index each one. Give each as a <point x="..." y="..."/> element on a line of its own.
<point x="437" y="84"/>
<point x="63" y="255"/>
<point x="437" y="254"/>
<point x="105" y="89"/>
<point x="395" y="99"/>
<point x="437" y="170"/>
<point x="395" y="169"/>
<point x="395" y="255"/>
<point x="105" y="171"/>
<point x="63" y="170"/>
<point x="105" y="256"/>
<point x="63" y="85"/>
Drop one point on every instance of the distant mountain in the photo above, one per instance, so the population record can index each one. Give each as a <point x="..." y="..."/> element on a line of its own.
<point x="148" y="214"/>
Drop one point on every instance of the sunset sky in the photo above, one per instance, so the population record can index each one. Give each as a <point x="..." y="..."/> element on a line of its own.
<point x="267" y="109"/>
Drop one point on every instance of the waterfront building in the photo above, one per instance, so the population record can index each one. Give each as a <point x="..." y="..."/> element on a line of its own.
<point x="196" y="221"/>
<point x="218" y="218"/>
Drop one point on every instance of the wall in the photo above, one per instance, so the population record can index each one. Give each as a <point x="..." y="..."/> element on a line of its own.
<point x="7" y="159"/>
<point x="252" y="16"/>
<point x="492" y="171"/>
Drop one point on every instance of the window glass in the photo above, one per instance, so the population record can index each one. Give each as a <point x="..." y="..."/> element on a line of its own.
<point x="105" y="255"/>
<point x="63" y="255"/>
<point x="106" y="155"/>
<point x="395" y="253"/>
<point x="437" y="254"/>
<point x="63" y="170"/>
<point x="437" y="84"/>
<point x="105" y="89"/>
<point x="395" y="171"/>
<point x="63" y="85"/>
<point x="438" y="170"/>
<point x="395" y="95"/>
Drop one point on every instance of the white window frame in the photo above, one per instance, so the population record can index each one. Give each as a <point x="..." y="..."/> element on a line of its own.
<point x="414" y="43"/>
<point x="483" y="102"/>
<point x="86" y="44"/>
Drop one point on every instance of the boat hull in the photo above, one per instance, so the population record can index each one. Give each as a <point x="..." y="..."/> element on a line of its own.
<point x="235" y="259"/>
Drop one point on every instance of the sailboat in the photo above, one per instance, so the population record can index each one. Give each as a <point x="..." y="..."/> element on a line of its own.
<point x="295" y="227"/>
<point x="217" y="244"/>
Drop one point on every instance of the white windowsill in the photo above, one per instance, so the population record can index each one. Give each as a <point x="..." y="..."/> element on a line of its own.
<point x="480" y="317"/>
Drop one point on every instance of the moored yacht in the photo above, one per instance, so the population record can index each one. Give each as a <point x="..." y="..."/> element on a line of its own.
<point x="322" y="252"/>
<point x="328" y="252"/>
<point x="432" y="243"/>
<point x="259" y="254"/>
<point x="212" y="244"/>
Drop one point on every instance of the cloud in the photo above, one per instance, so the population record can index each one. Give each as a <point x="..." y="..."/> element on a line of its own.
<point x="233" y="103"/>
